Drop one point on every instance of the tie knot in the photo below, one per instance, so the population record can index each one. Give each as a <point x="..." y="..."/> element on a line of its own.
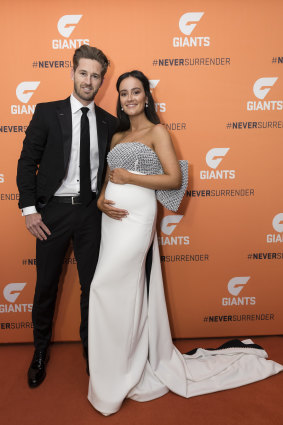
<point x="84" y="110"/>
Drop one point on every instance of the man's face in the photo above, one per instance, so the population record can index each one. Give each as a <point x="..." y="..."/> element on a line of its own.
<point x="87" y="80"/>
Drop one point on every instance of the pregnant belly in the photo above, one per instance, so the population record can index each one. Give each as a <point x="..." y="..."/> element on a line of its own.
<point x="135" y="199"/>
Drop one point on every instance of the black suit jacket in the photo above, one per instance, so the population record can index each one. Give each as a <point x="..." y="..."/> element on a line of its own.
<point x="46" y="150"/>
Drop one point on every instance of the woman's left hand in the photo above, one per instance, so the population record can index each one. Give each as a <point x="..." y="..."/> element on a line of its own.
<point x="119" y="176"/>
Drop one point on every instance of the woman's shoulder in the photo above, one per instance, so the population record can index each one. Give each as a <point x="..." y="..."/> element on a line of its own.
<point x="159" y="133"/>
<point x="159" y="130"/>
<point x="117" y="138"/>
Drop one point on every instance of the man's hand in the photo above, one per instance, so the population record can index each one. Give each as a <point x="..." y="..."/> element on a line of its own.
<point x="36" y="226"/>
<point x="107" y="208"/>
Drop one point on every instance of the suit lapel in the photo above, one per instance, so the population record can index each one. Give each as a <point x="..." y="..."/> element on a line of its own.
<point x="102" y="136"/>
<point x="64" y="114"/>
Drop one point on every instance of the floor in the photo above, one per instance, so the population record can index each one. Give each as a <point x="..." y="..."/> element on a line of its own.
<point x="61" y="399"/>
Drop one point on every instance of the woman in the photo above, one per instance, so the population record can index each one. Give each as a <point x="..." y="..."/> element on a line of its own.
<point x="130" y="347"/>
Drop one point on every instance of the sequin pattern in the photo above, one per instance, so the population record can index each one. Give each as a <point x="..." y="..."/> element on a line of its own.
<point x="136" y="156"/>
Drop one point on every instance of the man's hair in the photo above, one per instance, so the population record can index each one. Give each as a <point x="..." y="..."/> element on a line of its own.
<point x="89" y="52"/>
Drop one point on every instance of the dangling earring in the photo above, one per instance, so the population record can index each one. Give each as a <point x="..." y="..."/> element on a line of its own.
<point x="146" y="104"/>
<point x="122" y="109"/>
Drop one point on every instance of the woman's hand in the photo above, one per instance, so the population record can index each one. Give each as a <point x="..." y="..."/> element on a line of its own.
<point x="106" y="206"/>
<point x="119" y="176"/>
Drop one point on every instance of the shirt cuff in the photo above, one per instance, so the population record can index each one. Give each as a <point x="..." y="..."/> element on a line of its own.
<point x="29" y="210"/>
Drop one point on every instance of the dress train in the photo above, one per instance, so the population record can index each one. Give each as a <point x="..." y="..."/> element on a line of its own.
<point x="131" y="354"/>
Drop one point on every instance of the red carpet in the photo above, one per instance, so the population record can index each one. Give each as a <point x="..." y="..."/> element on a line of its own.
<point x="61" y="399"/>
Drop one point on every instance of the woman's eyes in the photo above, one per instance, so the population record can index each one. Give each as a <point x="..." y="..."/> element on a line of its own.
<point x="134" y="92"/>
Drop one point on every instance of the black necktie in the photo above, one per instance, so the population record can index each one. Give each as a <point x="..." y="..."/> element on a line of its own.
<point x="85" y="182"/>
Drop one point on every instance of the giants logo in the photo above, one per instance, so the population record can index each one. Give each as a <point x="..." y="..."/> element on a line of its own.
<point x="159" y="107"/>
<point x="11" y="293"/>
<point x="261" y="88"/>
<point x="24" y="92"/>
<point x="187" y="25"/>
<point x="213" y="158"/>
<point x="277" y="224"/>
<point x="66" y="26"/>
<point x="235" y="286"/>
<point x="168" y="224"/>
<point x="153" y="83"/>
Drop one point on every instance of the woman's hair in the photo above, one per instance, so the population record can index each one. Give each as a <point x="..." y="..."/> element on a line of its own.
<point x="124" y="122"/>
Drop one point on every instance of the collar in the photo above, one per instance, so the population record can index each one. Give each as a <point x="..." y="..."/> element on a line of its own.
<point x="76" y="105"/>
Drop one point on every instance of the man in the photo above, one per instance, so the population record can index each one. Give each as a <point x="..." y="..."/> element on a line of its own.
<point x="60" y="173"/>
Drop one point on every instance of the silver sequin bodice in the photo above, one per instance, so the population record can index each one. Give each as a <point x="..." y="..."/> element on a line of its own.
<point x="138" y="157"/>
<point x="134" y="156"/>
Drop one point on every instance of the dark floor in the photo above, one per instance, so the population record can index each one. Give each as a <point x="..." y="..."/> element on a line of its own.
<point x="61" y="399"/>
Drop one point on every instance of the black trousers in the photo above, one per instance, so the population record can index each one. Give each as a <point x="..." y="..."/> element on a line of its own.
<point x="66" y="222"/>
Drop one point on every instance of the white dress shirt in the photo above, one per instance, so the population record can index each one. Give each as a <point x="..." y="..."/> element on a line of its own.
<point x="71" y="183"/>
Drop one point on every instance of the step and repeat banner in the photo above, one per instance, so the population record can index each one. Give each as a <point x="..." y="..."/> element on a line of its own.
<point x="216" y="76"/>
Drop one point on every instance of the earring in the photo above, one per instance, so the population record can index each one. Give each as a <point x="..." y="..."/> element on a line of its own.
<point x="146" y="104"/>
<point x="122" y="109"/>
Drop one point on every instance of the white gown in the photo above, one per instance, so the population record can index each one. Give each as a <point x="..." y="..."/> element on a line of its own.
<point x="131" y="354"/>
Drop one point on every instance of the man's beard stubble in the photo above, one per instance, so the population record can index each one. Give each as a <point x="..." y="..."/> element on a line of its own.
<point x="83" y="95"/>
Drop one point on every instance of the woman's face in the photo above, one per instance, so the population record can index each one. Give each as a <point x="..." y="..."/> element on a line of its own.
<point x="132" y="96"/>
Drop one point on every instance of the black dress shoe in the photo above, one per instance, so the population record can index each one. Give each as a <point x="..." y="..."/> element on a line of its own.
<point x="37" y="372"/>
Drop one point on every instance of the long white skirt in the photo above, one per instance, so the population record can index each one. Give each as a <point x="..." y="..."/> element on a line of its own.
<point x="131" y="353"/>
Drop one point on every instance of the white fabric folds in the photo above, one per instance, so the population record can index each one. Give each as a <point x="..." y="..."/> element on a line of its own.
<point x="131" y="353"/>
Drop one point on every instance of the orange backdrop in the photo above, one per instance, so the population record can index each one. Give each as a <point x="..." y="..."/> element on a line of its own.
<point x="216" y="74"/>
